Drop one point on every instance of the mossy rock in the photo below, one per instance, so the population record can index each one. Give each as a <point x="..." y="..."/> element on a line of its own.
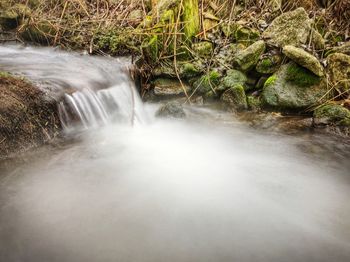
<point x="290" y="28"/>
<point x="304" y="59"/>
<point x="232" y="78"/>
<point x="294" y="88"/>
<point x="41" y="32"/>
<point x="249" y="57"/>
<point x="207" y="82"/>
<point x="235" y="98"/>
<point x="338" y="67"/>
<point x="332" y="114"/>
<point x="13" y="16"/>
<point x="269" y="64"/>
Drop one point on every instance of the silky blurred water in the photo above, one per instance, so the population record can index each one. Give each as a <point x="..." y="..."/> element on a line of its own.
<point x="206" y="188"/>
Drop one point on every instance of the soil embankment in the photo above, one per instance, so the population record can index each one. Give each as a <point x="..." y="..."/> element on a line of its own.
<point x="27" y="117"/>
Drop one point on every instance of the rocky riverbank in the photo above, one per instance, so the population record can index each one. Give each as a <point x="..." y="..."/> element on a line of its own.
<point x="27" y="117"/>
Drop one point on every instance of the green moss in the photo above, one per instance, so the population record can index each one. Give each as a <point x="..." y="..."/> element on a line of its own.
<point x="266" y="63"/>
<point x="345" y="122"/>
<point x="270" y="81"/>
<point x="115" y="41"/>
<point x="333" y="113"/>
<point x="301" y="76"/>
<point x="4" y="74"/>
<point x="253" y="103"/>
<point x="13" y="16"/>
<point x="232" y="78"/>
<point x="207" y="82"/>
<point x="188" y="70"/>
<point x="190" y="18"/>
<point x="168" y="17"/>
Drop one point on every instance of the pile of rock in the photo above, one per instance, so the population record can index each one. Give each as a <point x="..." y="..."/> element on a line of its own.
<point x="283" y="68"/>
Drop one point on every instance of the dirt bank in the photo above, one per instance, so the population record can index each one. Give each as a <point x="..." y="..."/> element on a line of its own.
<point x="27" y="117"/>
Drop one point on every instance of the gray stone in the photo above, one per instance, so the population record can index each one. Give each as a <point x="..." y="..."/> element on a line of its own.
<point x="171" y="109"/>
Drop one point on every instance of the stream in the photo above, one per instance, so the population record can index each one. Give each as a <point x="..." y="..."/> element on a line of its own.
<point x="124" y="185"/>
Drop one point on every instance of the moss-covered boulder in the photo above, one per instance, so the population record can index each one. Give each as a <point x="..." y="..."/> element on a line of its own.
<point x="235" y="98"/>
<point x="338" y="67"/>
<point x="293" y="88"/>
<point x="249" y="57"/>
<point x="232" y="78"/>
<point x="290" y="28"/>
<point x="207" y="82"/>
<point x="268" y="63"/>
<point x="304" y="59"/>
<point x="12" y="17"/>
<point x="170" y="87"/>
<point x="203" y="49"/>
<point x="332" y="114"/>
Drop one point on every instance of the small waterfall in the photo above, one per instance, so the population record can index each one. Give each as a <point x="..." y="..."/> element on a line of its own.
<point x="92" y="108"/>
<point x="91" y="91"/>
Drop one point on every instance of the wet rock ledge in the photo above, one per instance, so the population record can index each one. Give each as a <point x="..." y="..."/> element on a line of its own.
<point x="27" y="117"/>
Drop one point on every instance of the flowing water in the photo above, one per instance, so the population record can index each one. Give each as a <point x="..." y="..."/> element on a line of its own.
<point x="125" y="186"/>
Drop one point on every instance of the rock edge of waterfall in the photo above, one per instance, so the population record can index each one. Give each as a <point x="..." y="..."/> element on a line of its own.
<point x="28" y="118"/>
